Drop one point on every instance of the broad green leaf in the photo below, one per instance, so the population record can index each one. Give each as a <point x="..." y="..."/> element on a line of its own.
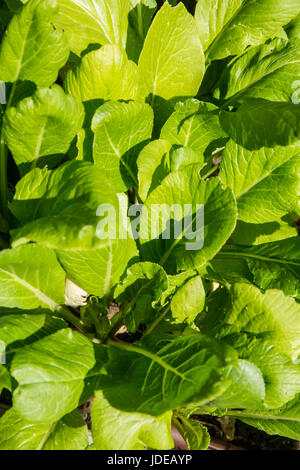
<point x="56" y="369"/>
<point x="93" y="22"/>
<point x="105" y="73"/>
<point x="246" y="126"/>
<point x="262" y="72"/>
<point x="158" y="159"/>
<point x="139" y="21"/>
<point x="190" y="368"/>
<point x="271" y="315"/>
<point x="188" y="300"/>
<point x="152" y="165"/>
<point x="31" y="277"/>
<point x="274" y="265"/>
<point x="114" y="429"/>
<point x="194" y="433"/>
<point x="32" y="49"/>
<point x="70" y="433"/>
<point x="176" y="282"/>
<point x="265" y="182"/>
<point x="51" y="120"/>
<point x="144" y="283"/>
<point x="21" y="329"/>
<point x="264" y="329"/>
<point x="120" y="129"/>
<point x="171" y="63"/>
<point x="227" y="27"/>
<point x="257" y="234"/>
<point x="195" y="125"/>
<point x="58" y="208"/>
<point x="97" y="271"/>
<point x="284" y="421"/>
<point x="247" y="389"/>
<point x="178" y="227"/>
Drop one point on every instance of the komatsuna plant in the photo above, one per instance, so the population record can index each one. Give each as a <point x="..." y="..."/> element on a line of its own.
<point x="117" y="116"/>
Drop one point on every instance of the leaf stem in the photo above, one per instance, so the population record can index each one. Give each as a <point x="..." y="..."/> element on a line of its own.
<point x="157" y="321"/>
<point x="67" y="315"/>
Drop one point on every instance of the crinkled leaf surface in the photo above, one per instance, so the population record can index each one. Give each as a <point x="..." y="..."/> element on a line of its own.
<point x="264" y="329"/>
<point x="194" y="433"/>
<point x="263" y="72"/>
<point x="51" y="119"/>
<point x="93" y="22"/>
<point x="32" y="49"/>
<point x="195" y="125"/>
<point x="273" y="265"/>
<point x="247" y="126"/>
<point x="119" y="129"/>
<point x="227" y="27"/>
<point x="105" y="73"/>
<point x="266" y="182"/>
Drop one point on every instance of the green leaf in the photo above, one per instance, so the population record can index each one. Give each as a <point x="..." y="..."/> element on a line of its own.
<point x="70" y="433"/>
<point x="190" y="368"/>
<point x="144" y="283"/>
<point x="171" y="63"/>
<point x="265" y="182"/>
<point x="257" y="234"/>
<point x="273" y="265"/>
<point x="139" y="20"/>
<point x="195" y="125"/>
<point x="105" y="73"/>
<point x="97" y="271"/>
<point x="265" y="72"/>
<point x="247" y="389"/>
<point x="93" y="22"/>
<point x="246" y="126"/>
<point x="264" y="329"/>
<point x="188" y="300"/>
<point x="31" y="277"/>
<point x="32" y="49"/>
<point x="59" y="208"/>
<point x="51" y="119"/>
<point x="117" y="430"/>
<point x="227" y="27"/>
<point x="284" y="421"/>
<point x="194" y="433"/>
<point x="21" y="329"/>
<point x="152" y="166"/>
<point x="56" y="369"/>
<point x="120" y="129"/>
<point x="178" y="247"/>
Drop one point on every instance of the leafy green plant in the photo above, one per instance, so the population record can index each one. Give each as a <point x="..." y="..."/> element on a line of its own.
<point x="122" y="103"/>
